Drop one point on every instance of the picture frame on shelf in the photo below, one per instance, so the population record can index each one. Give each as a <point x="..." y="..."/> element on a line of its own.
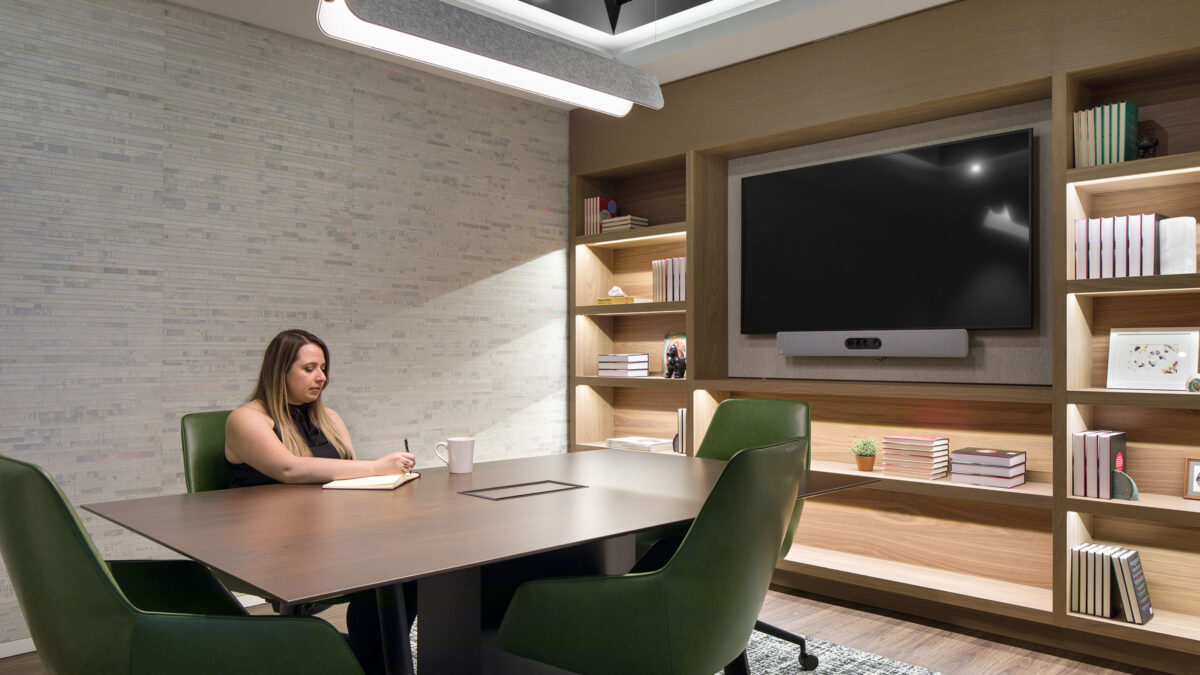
<point x="1191" y="478"/>
<point x="1152" y="358"/>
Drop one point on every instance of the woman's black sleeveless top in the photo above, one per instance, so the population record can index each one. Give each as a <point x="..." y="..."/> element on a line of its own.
<point x="244" y="475"/>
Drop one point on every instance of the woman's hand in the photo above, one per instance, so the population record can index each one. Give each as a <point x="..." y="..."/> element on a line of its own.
<point x="396" y="462"/>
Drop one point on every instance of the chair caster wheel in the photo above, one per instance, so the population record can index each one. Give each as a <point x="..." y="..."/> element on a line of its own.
<point x="808" y="662"/>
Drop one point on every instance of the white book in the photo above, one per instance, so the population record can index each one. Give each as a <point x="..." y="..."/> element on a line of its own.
<point x="1177" y="245"/>
<point x="1090" y="464"/>
<point x="388" y="482"/>
<point x="1093" y="248"/>
<point x="1106" y="248"/>
<point x="1150" y="244"/>
<point x="1135" y="245"/>
<point x="669" y="274"/>
<point x="1081" y="252"/>
<point x="1128" y="590"/>
<point x="1121" y="246"/>
<point x="624" y="365"/>
<point x="1078" y="481"/>
<point x="624" y="358"/>
<point x="1077" y="573"/>
<point x="609" y="372"/>
<point x="640" y="443"/>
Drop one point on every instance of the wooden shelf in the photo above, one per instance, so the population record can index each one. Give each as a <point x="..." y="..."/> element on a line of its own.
<point x="1179" y="400"/>
<point x="1152" y="172"/>
<point x="638" y="236"/>
<point x="953" y="588"/>
<point x="1166" y="509"/>
<point x="916" y="390"/>
<point x="651" y="382"/>
<point x="630" y="309"/>
<point x="1168" y="630"/>
<point x="1032" y="494"/>
<point x="1157" y="284"/>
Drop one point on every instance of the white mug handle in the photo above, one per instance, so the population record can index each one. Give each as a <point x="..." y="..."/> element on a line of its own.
<point x="441" y="444"/>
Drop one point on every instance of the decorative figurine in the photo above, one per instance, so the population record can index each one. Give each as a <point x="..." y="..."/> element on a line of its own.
<point x="1147" y="146"/>
<point x="676" y="364"/>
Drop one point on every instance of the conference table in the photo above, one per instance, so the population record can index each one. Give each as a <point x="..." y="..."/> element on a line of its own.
<point x="301" y="543"/>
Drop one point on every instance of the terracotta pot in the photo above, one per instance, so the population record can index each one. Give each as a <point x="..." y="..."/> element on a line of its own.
<point x="864" y="463"/>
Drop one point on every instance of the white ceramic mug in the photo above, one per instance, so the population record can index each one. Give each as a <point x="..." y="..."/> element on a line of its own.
<point x="460" y="451"/>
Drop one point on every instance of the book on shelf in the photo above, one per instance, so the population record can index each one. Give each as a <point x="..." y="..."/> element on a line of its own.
<point x="1081" y="248"/>
<point x="1121" y="246"/>
<point x="1107" y="580"/>
<point x="624" y="365"/>
<point x="922" y="458"/>
<point x="1177" y="245"/>
<point x="1091" y="474"/>
<point x="1078" y="462"/>
<point x="1106" y="248"/>
<point x="620" y="300"/>
<point x="918" y="441"/>
<point x="914" y="461"/>
<point x="622" y="223"/>
<point x="631" y="357"/>
<point x="596" y="209"/>
<point x="1105" y="134"/>
<point x="1150" y="223"/>
<point x="1110" y="456"/>
<point x="987" y="470"/>
<point x="1135" y="245"/>
<point x="641" y="443"/>
<point x="988" y="456"/>
<point x="387" y="482"/>
<point x="932" y="474"/>
<point x="1093" y="239"/>
<point x="988" y="481"/>
<point x="669" y="276"/>
<point x="643" y="371"/>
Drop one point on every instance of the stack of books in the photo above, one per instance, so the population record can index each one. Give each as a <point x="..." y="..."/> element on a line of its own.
<point x="670" y="279"/>
<point x="915" y="456"/>
<point x="622" y="223"/>
<point x="1106" y="134"/>
<point x="1136" y="245"/>
<point x="620" y="300"/>
<point x="1108" y="580"/>
<point x="624" y="365"/>
<point x="596" y="209"/>
<point x="642" y="443"/>
<point x="1095" y="456"/>
<point x="984" y="466"/>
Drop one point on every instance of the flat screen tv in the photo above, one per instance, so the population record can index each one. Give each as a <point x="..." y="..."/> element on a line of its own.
<point x="931" y="238"/>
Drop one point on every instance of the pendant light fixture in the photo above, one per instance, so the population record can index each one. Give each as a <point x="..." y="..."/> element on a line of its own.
<point x="449" y="37"/>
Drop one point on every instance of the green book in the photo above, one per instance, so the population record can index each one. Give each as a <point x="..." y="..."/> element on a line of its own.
<point x="1127" y="131"/>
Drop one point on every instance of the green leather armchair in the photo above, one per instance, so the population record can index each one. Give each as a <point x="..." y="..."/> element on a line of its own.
<point x="692" y="616"/>
<point x="736" y="424"/>
<point x="139" y="617"/>
<point x="202" y="437"/>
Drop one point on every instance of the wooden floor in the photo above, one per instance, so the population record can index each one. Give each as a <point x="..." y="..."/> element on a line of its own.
<point x="939" y="647"/>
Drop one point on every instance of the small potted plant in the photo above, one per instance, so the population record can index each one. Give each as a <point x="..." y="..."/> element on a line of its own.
<point x="864" y="453"/>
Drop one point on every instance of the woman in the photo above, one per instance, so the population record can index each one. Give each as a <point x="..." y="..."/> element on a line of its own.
<point x="284" y="434"/>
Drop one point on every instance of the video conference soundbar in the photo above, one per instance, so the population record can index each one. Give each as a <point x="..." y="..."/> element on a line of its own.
<point x="877" y="343"/>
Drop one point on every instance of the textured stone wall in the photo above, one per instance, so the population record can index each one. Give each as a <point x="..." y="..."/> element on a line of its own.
<point x="175" y="188"/>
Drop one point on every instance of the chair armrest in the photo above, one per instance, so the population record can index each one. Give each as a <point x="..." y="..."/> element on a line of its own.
<point x="202" y="645"/>
<point x="177" y="586"/>
<point x="615" y="624"/>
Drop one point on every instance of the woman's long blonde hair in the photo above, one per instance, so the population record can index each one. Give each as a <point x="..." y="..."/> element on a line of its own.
<point x="271" y="392"/>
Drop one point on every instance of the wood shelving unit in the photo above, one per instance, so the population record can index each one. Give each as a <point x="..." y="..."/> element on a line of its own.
<point x="933" y="547"/>
<point x="1160" y="425"/>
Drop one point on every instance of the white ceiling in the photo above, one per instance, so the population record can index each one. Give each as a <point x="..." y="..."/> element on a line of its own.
<point x="769" y="26"/>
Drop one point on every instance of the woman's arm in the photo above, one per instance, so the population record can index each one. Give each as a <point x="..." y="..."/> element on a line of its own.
<point x="250" y="438"/>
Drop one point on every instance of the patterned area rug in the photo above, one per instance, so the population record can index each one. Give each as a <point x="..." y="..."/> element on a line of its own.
<point x="772" y="656"/>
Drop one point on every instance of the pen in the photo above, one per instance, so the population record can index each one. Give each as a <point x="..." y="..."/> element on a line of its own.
<point x="409" y="470"/>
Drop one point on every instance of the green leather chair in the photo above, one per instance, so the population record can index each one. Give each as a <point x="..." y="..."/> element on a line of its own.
<point x="203" y="442"/>
<point x="692" y="616"/>
<point x="138" y="617"/>
<point x="736" y="424"/>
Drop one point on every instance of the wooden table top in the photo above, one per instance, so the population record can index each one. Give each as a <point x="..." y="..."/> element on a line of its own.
<point x="301" y="543"/>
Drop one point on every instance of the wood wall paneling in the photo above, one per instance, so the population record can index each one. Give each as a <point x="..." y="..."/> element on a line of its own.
<point x="646" y="412"/>
<point x="707" y="200"/>
<point x="1168" y="310"/>
<point x="638" y="333"/>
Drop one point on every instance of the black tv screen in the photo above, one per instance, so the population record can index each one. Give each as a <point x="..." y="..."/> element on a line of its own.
<point x="930" y="238"/>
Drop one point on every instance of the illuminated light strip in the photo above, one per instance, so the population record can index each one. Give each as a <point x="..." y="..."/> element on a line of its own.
<point x="336" y="20"/>
<point x="1133" y="177"/>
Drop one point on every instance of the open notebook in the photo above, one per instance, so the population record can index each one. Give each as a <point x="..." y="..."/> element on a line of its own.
<point x="389" y="482"/>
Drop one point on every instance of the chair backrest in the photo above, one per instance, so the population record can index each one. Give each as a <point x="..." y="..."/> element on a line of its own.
<point x="717" y="579"/>
<point x="203" y="442"/>
<point x="741" y="423"/>
<point x="78" y="617"/>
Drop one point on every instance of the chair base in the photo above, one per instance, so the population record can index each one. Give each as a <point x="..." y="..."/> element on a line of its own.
<point x="807" y="661"/>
